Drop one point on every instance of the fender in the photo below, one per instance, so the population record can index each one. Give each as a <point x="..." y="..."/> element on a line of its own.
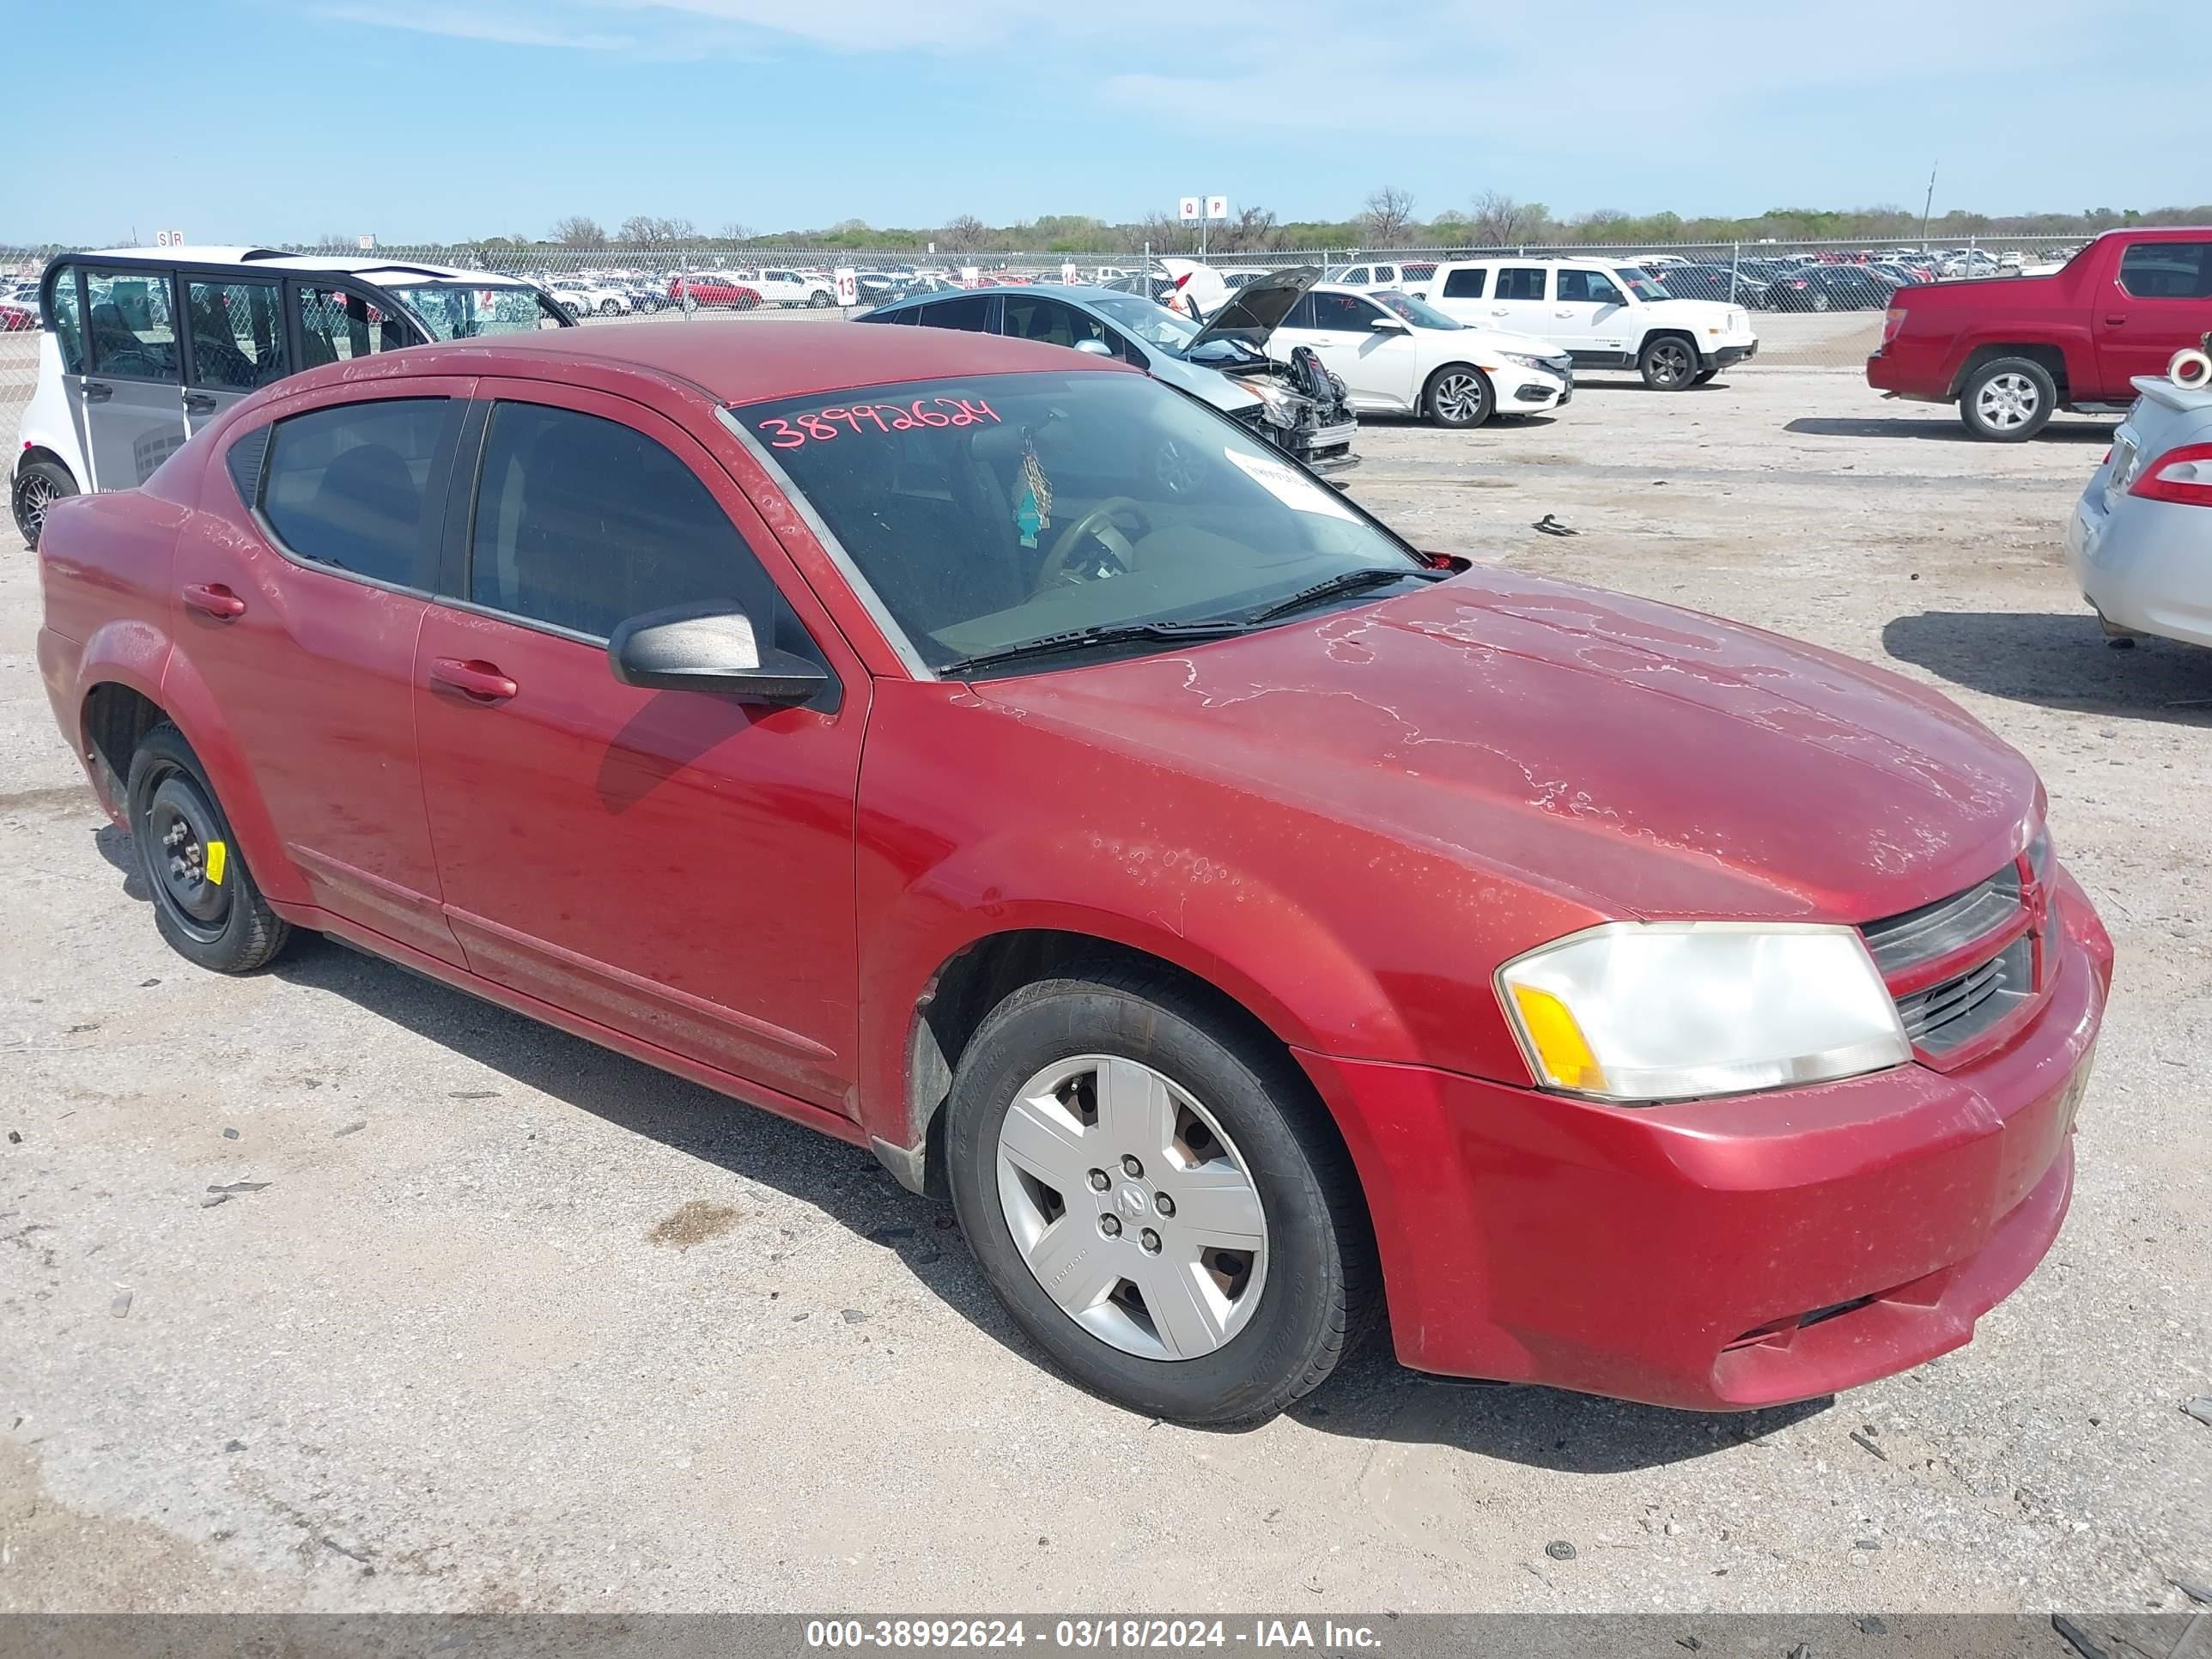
<point x="189" y="702"/>
<point x="1250" y="940"/>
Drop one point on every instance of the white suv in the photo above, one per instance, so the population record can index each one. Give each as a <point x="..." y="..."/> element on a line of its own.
<point x="782" y="286"/>
<point x="1606" y="315"/>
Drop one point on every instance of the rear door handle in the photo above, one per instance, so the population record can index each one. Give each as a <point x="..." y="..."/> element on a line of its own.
<point x="97" y="391"/>
<point x="481" y="680"/>
<point x="199" y="403"/>
<point x="214" y="599"/>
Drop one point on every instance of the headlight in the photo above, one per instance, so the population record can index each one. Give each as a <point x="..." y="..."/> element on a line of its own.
<point x="1542" y="365"/>
<point x="1668" y="1011"/>
<point x="1281" y="404"/>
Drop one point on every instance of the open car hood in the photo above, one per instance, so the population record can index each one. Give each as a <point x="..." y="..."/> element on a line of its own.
<point x="1256" y="310"/>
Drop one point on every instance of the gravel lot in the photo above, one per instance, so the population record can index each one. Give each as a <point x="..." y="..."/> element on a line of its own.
<point x="520" y="1324"/>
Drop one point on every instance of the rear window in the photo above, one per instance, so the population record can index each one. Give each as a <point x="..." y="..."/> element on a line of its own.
<point x="345" y="487"/>
<point x="2168" y="270"/>
<point x="1520" y="282"/>
<point x="1464" y="284"/>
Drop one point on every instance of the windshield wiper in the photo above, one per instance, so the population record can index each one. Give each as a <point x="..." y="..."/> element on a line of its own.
<point x="1089" y="639"/>
<point x="1347" y="581"/>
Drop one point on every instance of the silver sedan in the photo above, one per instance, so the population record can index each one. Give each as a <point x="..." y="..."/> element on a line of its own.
<point x="2140" y="541"/>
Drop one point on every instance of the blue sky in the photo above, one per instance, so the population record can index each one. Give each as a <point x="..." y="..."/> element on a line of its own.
<point x="243" y="120"/>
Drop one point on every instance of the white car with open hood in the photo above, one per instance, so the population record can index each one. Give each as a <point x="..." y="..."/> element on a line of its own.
<point x="1399" y="355"/>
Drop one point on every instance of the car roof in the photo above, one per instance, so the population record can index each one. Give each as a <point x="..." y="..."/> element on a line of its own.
<point x="369" y="268"/>
<point x="738" y="363"/>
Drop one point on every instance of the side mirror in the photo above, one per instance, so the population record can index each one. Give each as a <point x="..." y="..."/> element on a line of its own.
<point x="709" y="647"/>
<point x="1095" y="348"/>
<point x="1389" y="326"/>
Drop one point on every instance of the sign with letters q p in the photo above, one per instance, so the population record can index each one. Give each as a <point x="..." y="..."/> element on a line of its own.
<point x="1186" y="210"/>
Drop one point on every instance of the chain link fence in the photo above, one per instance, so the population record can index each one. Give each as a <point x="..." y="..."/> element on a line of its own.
<point x="1815" y="304"/>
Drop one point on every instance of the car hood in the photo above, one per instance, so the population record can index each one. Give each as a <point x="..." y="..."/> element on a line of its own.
<point x="1645" y="760"/>
<point x="1257" y="309"/>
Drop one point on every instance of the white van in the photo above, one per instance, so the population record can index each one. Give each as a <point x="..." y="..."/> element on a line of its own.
<point x="142" y="347"/>
<point x="1606" y="314"/>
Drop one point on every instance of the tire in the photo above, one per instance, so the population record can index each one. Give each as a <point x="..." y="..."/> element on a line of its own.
<point x="2008" y="400"/>
<point x="38" y="485"/>
<point x="820" y="301"/>
<point x="1704" y="376"/>
<point x="609" y="308"/>
<point x="1458" y="395"/>
<point x="1269" y="1167"/>
<point x="1667" y="363"/>
<point x="1820" y="300"/>
<point x="223" y="925"/>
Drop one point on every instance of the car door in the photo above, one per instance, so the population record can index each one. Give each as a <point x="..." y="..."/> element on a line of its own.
<point x="675" y="866"/>
<point x="235" y="336"/>
<point x="303" y="579"/>
<point x="1519" y="302"/>
<point x="129" y="402"/>
<point x="1587" y="315"/>
<point x="2159" y="302"/>
<point x="1375" y="363"/>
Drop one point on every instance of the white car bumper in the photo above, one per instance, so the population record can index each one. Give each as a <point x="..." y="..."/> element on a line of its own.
<point x="2145" y="566"/>
<point x="1528" y="390"/>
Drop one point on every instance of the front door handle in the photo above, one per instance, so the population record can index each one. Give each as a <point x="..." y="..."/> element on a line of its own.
<point x="2114" y="322"/>
<point x="97" y="391"/>
<point x="481" y="680"/>
<point x="214" y="599"/>
<point x="199" y="403"/>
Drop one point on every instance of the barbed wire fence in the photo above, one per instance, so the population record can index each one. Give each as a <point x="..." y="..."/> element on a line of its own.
<point x="1816" y="305"/>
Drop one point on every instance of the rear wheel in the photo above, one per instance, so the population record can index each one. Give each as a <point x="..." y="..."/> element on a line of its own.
<point x="1667" y="363"/>
<point x="2009" y="400"/>
<point x="820" y="300"/>
<point x="1459" y="395"/>
<point x="38" y="486"/>
<point x="1155" y="1195"/>
<point x="609" y="308"/>
<point x="205" y="902"/>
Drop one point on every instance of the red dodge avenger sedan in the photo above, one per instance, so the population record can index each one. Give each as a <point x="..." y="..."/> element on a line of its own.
<point x="988" y="756"/>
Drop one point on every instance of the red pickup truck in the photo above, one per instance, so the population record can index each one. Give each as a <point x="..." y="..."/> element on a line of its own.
<point x="2012" y="351"/>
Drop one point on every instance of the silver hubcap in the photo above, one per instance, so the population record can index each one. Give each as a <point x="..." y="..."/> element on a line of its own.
<point x="2008" y="401"/>
<point x="36" y="496"/>
<point x="1459" y="397"/>
<point x="1131" y="1207"/>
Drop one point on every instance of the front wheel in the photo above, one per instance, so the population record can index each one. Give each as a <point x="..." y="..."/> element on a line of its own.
<point x="821" y="302"/>
<point x="205" y="901"/>
<point x="609" y="308"/>
<point x="2009" y="400"/>
<point x="38" y="486"/>
<point x="1703" y="376"/>
<point x="1156" y="1195"/>
<point x="1459" y="395"/>
<point x="1667" y="363"/>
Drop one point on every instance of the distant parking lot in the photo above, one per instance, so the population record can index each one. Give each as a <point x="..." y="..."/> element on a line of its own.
<point x="514" y="1322"/>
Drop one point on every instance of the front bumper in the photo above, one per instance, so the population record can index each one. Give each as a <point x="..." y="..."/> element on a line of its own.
<point x="1723" y="1254"/>
<point x="1722" y="356"/>
<point x="1326" y="449"/>
<point x="1525" y="392"/>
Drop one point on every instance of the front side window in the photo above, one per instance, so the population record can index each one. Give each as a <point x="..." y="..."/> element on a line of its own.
<point x="336" y="326"/>
<point x="346" y="487"/>
<point x="69" y="320"/>
<point x="1521" y="282"/>
<point x="992" y="511"/>
<point x="1345" y="313"/>
<point x="1464" y="284"/>
<point x="238" y="335"/>
<point x="583" y="523"/>
<point x="453" y="312"/>
<point x="1588" y="287"/>
<point x="1034" y="317"/>
<point x="127" y="320"/>
<point x="2168" y="270"/>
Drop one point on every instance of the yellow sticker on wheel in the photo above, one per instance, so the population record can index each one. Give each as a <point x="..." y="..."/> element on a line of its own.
<point x="218" y="855"/>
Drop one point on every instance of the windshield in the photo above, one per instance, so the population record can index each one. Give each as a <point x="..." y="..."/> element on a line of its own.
<point x="992" y="511"/>
<point x="1419" y="312"/>
<point x="453" y="312"/>
<point x="1641" y="284"/>
<point x="1155" y="324"/>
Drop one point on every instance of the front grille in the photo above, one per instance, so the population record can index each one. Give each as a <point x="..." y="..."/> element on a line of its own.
<point x="1934" y="930"/>
<point x="1957" y="1010"/>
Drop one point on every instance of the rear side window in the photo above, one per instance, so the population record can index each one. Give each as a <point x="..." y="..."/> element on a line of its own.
<point x="583" y="523"/>
<point x="346" y="487"/>
<point x="238" y="335"/>
<point x="1520" y="282"/>
<point x="2168" y="270"/>
<point x="1464" y="284"/>
<point x="69" y="320"/>
<point x="970" y="311"/>
<point x="336" y="326"/>
<point x="128" y="325"/>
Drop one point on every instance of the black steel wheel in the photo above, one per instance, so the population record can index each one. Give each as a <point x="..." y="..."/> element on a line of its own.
<point x="205" y="902"/>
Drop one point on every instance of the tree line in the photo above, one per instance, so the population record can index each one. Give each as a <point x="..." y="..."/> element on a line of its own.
<point x="1387" y="218"/>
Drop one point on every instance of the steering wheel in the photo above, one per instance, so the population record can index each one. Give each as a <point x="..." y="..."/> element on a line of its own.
<point x="1098" y="522"/>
